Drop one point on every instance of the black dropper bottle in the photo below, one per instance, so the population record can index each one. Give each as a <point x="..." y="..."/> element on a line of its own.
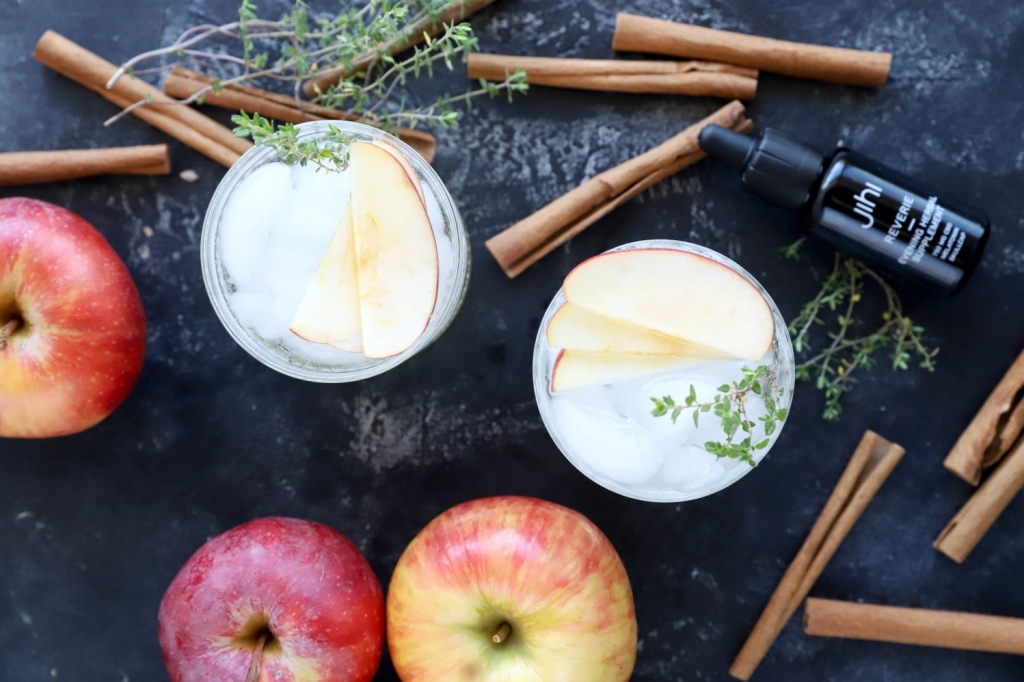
<point x="861" y="206"/>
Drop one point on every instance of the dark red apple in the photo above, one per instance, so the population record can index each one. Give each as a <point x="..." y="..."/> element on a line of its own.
<point x="274" y="600"/>
<point x="72" y="328"/>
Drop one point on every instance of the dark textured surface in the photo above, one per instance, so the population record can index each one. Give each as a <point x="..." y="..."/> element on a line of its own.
<point x="93" y="527"/>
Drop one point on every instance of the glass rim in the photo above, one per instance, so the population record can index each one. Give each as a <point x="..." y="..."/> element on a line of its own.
<point x="448" y="301"/>
<point x="542" y="390"/>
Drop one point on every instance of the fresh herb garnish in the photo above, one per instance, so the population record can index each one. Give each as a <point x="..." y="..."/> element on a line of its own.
<point x="845" y="346"/>
<point x="300" y="45"/>
<point x="729" y="404"/>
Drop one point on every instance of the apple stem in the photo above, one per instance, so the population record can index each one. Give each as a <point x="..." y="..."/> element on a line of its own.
<point x="502" y="634"/>
<point x="7" y="330"/>
<point x="257" y="659"/>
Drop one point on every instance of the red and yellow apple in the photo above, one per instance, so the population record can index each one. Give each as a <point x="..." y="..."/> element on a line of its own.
<point x="72" y="327"/>
<point x="376" y="285"/>
<point x="273" y="599"/>
<point x="633" y="313"/>
<point x="511" y="588"/>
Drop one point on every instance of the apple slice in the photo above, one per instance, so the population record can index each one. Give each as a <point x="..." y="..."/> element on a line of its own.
<point x="679" y="294"/>
<point x="396" y="256"/>
<point x="407" y="167"/>
<point x="329" y="311"/>
<point x="574" y="327"/>
<point x="580" y="368"/>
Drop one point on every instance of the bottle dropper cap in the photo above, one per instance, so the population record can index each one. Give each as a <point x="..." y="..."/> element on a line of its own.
<point x="774" y="166"/>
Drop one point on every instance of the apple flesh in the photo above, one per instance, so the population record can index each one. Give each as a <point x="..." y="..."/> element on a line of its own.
<point x="579" y="368"/>
<point x="511" y="588"/>
<point x="291" y="599"/>
<point x="329" y="311"/>
<point x="396" y="255"/>
<point x="574" y="327"/>
<point x="72" y="326"/>
<point x="375" y="287"/>
<point x="677" y="294"/>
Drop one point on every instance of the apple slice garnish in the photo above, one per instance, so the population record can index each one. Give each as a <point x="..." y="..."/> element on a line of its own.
<point x="678" y="294"/>
<point x="580" y="368"/>
<point x="396" y="255"/>
<point x="574" y="327"/>
<point x="407" y="167"/>
<point x="329" y="311"/>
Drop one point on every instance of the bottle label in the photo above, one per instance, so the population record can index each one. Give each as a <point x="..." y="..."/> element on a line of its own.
<point x="916" y="224"/>
<point x="875" y="214"/>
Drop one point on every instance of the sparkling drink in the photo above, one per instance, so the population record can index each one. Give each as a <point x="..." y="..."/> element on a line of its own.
<point x="268" y="227"/>
<point x="612" y="433"/>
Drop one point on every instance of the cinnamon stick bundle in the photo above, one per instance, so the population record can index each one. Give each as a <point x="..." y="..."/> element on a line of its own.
<point x="869" y="467"/>
<point x="521" y="245"/>
<point x="411" y="36"/>
<point x="830" y="64"/>
<point x="994" y="429"/>
<point x="34" y="167"/>
<point x="183" y="123"/>
<point x="709" y="79"/>
<point x="182" y="83"/>
<point x="974" y="519"/>
<point x="924" y="627"/>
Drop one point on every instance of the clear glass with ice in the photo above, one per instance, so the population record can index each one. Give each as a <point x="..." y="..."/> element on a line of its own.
<point x="265" y="231"/>
<point x="609" y="433"/>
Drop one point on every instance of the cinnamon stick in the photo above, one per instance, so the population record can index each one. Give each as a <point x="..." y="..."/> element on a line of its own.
<point x="183" y="83"/>
<point x="709" y="79"/>
<point x="183" y="123"/>
<point x="974" y="519"/>
<point x="830" y="64"/>
<point x="994" y="428"/>
<point x="411" y="36"/>
<point x="522" y="244"/>
<point x="923" y="627"/>
<point x="34" y="167"/>
<point x="869" y="467"/>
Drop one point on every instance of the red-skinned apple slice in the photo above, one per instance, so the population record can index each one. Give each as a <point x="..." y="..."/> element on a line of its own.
<point x="679" y="294"/>
<point x="579" y="368"/>
<point x="407" y="167"/>
<point x="329" y="312"/>
<point x="574" y="327"/>
<point x="396" y="256"/>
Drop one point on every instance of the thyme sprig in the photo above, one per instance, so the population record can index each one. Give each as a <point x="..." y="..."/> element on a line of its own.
<point x="329" y="152"/>
<point x="729" y="405"/>
<point x="835" y="340"/>
<point x="296" y="47"/>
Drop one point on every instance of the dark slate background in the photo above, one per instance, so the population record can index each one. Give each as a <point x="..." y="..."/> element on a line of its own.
<point x="93" y="527"/>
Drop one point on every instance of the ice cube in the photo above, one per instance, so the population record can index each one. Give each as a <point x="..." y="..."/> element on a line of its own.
<point x="677" y="386"/>
<point x="287" y="287"/>
<point x="690" y="468"/>
<point x="608" y="444"/>
<point x="245" y="226"/>
<point x="251" y="311"/>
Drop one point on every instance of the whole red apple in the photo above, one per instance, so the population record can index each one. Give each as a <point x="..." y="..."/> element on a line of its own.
<point x="72" y="328"/>
<point x="273" y="600"/>
<point x="511" y="588"/>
